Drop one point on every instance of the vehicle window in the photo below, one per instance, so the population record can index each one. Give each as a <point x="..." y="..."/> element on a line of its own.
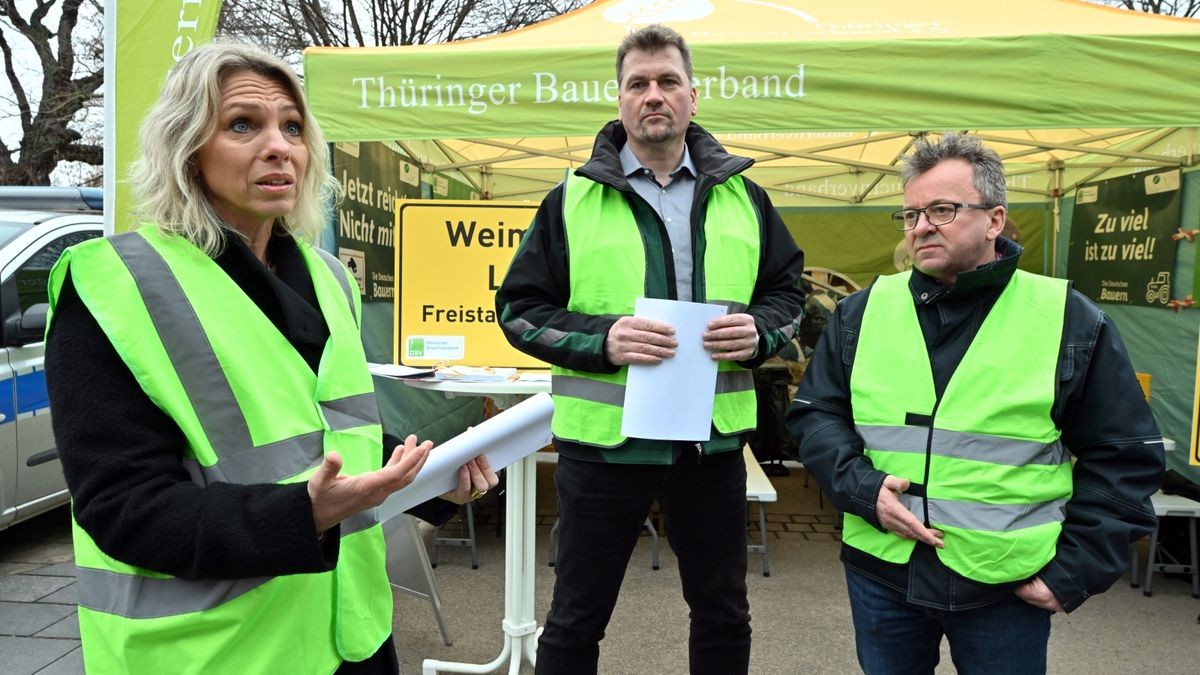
<point x="33" y="276"/>
<point x="9" y="230"/>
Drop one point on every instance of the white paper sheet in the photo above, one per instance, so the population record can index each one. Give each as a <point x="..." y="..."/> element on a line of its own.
<point x="397" y="372"/>
<point x="673" y="400"/>
<point x="474" y="374"/>
<point x="503" y="439"/>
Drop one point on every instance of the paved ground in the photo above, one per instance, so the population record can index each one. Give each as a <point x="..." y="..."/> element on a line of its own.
<point x="39" y="632"/>
<point x="801" y="618"/>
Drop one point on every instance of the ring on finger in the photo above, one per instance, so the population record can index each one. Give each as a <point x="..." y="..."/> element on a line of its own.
<point x="476" y="494"/>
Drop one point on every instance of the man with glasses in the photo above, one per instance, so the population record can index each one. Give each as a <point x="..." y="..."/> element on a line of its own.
<point x="941" y="412"/>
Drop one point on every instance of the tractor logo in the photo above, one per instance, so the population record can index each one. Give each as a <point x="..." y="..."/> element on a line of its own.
<point x="1158" y="290"/>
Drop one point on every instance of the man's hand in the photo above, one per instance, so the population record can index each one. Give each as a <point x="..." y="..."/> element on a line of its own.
<point x="732" y="337"/>
<point x="896" y="519"/>
<point x="335" y="498"/>
<point x="475" y="478"/>
<point x="634" y="340"/>
<point x="1038" y="594"/>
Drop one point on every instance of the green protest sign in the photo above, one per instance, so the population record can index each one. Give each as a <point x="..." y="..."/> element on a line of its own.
<point x="373" y="176"/>
<point x="1121" y="250"/>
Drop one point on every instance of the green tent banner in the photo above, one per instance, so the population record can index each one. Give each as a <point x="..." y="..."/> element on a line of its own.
<point x="1121" y="250"/>
<point x="372" y="94"/>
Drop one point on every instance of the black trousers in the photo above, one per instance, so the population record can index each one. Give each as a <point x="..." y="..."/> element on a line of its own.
<point x="601" y="508"/>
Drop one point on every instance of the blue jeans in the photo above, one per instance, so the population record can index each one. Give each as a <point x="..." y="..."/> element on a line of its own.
<point x="895" y="637"/>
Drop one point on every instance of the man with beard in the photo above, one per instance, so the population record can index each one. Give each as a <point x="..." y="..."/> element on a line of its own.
<point x="662" y="211"/>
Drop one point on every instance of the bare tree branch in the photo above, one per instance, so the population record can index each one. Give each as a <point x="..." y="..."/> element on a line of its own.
<point x="1184" y="8"/>
<point x="23" y="110"/>
<point x="81" y="152"/>
<point x="48" y="124"/>
<point x="291" y="26"/>
<point x="348" y="12"/>
<point x="65" y="36"/>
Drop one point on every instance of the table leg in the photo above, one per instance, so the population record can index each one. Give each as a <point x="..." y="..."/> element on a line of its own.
<point x="519" y="625"/>
<point x="762" y="537"/>
<point x="1133" y="566"/>
<point x="1195" y="562"/>
<point x="1151" y="557"/>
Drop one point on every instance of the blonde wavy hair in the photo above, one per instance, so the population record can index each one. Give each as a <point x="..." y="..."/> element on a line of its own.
<point x="185" y="117"/>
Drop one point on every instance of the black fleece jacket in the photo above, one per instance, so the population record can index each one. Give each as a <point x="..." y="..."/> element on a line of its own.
<point x="1105" y="422"/>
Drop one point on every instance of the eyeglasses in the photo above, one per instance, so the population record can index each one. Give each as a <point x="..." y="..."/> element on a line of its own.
<point x="941" y="213"/>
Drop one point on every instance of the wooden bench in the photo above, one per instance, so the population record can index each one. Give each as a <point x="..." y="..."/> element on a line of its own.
<point x="760" y="490"/>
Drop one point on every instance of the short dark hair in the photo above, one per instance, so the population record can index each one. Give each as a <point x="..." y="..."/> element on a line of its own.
<point x="987" y="168"/>
<point x="653" y="38"/>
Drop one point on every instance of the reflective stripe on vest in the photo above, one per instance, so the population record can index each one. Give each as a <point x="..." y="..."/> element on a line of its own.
<point x="979" y="447"/>
<point x="139" y="597"/>
<point x="238" y="460"/>
<point x="134" y="285"/>
<point x="609" y="268"/>
<point x="987" y="517"/>
<point x="999" y="476"/>
<point x="609" y="393"/>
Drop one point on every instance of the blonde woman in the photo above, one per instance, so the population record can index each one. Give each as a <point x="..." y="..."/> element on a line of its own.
<point x="212" y="407"/>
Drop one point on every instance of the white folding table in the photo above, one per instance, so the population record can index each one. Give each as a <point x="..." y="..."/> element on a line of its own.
<point x="1167" y="506"/>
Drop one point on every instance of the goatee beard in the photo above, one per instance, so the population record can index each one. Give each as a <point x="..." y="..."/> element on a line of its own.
<point x="657" y="134"/>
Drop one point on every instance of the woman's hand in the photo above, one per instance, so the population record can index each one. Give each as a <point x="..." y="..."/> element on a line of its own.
<point x="335" y="497"/>
<point x="475" y="478"/>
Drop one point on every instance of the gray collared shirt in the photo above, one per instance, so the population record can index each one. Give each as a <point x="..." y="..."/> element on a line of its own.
<point x="673" y="204"/>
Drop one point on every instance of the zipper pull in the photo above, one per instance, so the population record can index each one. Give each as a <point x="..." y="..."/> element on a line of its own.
<point x="699" y="453"/>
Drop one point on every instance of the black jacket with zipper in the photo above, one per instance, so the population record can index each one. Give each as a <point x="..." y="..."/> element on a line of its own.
<point x="532" y="300"/>
<point x="1099" y="407"/>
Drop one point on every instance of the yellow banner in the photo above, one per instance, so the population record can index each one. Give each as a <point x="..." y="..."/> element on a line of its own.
<point x="450" y="258"/>
<point x="150" y="37"/>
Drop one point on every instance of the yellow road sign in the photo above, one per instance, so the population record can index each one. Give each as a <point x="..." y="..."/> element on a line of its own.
<point x="450" y="258"/>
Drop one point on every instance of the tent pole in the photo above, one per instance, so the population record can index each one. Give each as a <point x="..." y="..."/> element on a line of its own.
<point x="1057" y="195"/>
